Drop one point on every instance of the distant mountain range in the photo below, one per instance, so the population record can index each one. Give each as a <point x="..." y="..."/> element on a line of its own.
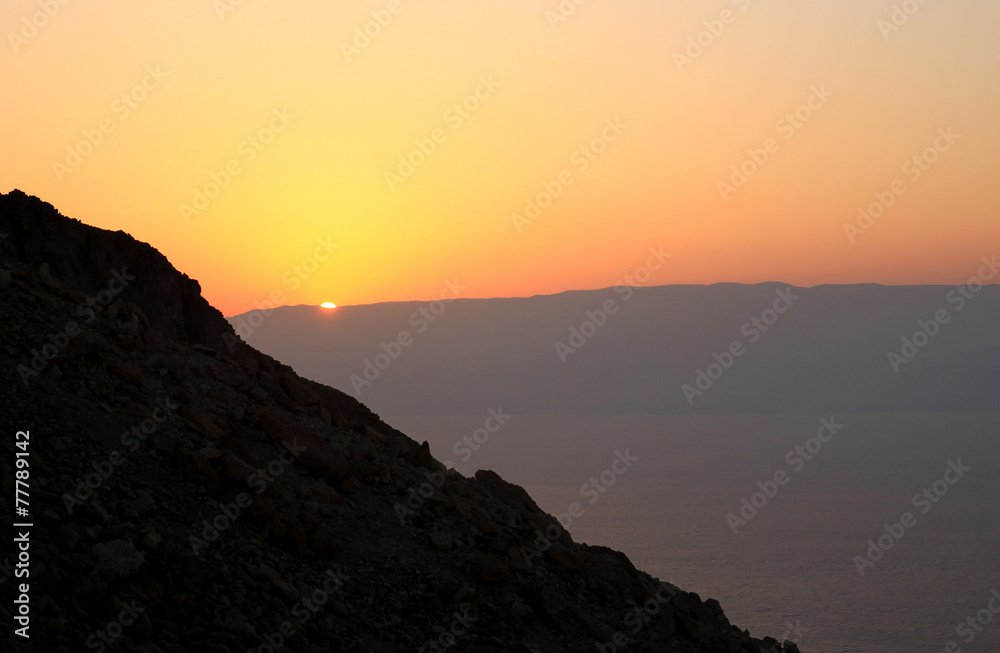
<point x="724" y="348"/>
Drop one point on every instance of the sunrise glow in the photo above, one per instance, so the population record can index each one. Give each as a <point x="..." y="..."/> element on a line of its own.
<point x="516" y="147"/>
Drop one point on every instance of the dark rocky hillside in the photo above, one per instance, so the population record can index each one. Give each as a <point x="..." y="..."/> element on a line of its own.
<point x="188" y="493"/>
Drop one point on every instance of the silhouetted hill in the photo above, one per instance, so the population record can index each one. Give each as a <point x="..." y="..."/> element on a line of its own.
<point x="189" y="493"/>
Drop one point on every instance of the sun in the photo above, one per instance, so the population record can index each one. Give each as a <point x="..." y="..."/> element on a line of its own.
<point x="328" y="305"/>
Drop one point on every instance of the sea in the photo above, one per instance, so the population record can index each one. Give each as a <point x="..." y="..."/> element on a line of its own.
<point x="846" y="533"/>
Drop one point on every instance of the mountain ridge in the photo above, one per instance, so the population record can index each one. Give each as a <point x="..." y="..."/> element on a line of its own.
<point x="842" y="348"/>
<point x="611" y="288"/>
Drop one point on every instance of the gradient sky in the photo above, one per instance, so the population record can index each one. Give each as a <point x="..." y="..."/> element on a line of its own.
<point x="323" y="176"/>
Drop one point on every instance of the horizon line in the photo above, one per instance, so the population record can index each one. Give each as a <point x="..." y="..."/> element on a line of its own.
<point x="585" y="290"/>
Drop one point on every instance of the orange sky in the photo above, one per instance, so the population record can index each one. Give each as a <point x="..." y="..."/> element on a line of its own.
<point x="309" y="118"/>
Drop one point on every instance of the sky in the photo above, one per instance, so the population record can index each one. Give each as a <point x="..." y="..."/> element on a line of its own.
<point x="307" y="151"/>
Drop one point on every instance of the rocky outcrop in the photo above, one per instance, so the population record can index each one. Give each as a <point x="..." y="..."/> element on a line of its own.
<point x="189" y="493"/>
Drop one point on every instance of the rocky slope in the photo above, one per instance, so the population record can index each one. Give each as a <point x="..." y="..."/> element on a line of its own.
<point x="189" y="493"/>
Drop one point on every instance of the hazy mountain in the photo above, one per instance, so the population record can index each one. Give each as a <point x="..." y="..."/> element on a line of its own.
<point x="829" y="350"/>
